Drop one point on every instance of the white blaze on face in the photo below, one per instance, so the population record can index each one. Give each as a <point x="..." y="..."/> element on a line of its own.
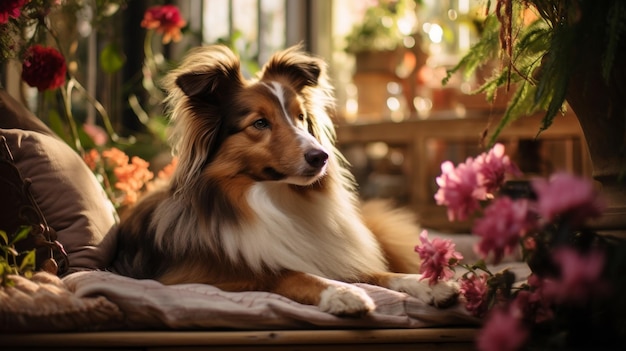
<point x="306" y="141"/>
<point x="278" y="91"/>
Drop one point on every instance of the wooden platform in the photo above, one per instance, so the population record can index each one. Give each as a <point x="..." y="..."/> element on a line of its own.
<point x="451" y="339"/>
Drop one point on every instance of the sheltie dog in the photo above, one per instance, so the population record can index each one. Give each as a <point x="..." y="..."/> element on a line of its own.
<point x="262" y="199"/>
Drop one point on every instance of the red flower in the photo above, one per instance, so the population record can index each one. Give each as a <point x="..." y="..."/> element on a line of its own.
<point x="10" y="8"/>
<point x="166" y="20"/>
<point x="437" y="257"/>
<point x="43" y="68"/>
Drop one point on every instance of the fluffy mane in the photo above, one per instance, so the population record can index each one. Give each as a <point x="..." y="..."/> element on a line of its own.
<point x="210" y="74"/>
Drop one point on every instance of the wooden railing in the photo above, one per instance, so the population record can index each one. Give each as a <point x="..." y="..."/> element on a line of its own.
<point x="416" y="148"/>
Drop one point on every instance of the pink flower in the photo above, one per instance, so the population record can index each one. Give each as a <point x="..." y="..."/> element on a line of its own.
<point x="462" y="188"/>
<point x="166" y="20"/>
<point x="532" y="306"/>
<point x="503" y="331"/>
<point x="474" y="289"/>
<point x="579" y="278"/>
<point x="504" y="223"/>
<point x="567" y="194"/>
<point x="96" y="133"/>
<point x="493" y="166"/>
<point x="10" y="9"/>
<point x="459" y="189"/>
<point x="43" y="68"/>
<point x="437" y="257"/>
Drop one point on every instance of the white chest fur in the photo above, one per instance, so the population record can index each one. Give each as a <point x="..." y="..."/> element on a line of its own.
<point x="315" y="234"/>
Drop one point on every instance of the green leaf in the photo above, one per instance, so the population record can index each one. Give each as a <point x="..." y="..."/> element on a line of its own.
<point x="4" y="236"/>
<point x="85" y="140"/>
<point x="517" y="107"/>
<point x="58" y="127"/>
<point x="159" y="125"/>
<point x="111" y="59"/>
<point x="480" y="265"/>
<point x="28" y="263"/>
<point x="480" y="52"/>
<point x="21" y="235"/>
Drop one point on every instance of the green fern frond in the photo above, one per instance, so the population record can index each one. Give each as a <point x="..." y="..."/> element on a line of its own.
<point x="486" y="47"/>
<point x="521" y="104"/>
<point x="545" y="54"/>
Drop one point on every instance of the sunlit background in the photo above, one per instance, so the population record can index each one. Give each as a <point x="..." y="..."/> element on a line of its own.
<point x="396" y="121"/>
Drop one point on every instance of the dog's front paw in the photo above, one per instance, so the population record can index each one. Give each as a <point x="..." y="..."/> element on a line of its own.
<point x="445" y="294"/>
<point x="441" y="294"/>
<point x="346" y="300"/>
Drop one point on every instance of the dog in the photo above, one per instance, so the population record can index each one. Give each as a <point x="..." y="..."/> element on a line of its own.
<point x="262" y="199"/>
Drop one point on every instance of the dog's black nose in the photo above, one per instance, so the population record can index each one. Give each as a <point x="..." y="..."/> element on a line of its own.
<point x="316" y="158"/>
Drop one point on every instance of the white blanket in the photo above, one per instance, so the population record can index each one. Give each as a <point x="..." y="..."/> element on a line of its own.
<point x="149" y="304"/>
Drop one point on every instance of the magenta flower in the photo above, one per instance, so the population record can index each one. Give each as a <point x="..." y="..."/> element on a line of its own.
<point x="474" y="288"/>
<point x="505" y="221"/>
<point x="503" y="331"/>
<point x="462" y="188"/>
<point x="459" y="189"/>
<point x="10" y="9"/>
<point x="493" y="166"/>
<point x="567" y="194"/>
<point x="96" y="133"/>
<point x="532" y="306"/>
<point x="438" y="256"/>
<point x="580" y="276"/>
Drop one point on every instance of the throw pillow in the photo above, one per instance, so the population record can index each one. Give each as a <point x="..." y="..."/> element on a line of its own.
<point x="71" y="199"/>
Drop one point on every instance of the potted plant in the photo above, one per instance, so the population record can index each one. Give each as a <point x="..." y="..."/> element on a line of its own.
<point x="387" y="49"/>
<point x="376" y="40"/>
<point x="555" y="52"/>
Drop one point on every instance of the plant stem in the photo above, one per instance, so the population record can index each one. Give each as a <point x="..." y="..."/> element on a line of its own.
<point x="67" y="108"/>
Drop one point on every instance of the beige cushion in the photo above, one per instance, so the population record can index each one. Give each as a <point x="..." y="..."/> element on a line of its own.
<point x="44" y="304"/>
<point x="71" y="199"/>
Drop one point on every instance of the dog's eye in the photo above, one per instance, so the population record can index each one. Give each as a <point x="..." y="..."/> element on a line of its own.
<point x="261" y="123"/>
<point x="301" y="116"/>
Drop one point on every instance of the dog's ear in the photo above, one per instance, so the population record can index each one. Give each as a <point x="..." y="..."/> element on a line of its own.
<point x="209" y="86"/>
<point x="297" y="68"/>
<point x="196" y="84"/>
<point x="209" y="74"/>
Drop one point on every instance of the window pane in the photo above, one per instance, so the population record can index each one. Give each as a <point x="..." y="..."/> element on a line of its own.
<point x="216" y="21"/>
<point x="272" y="27"/>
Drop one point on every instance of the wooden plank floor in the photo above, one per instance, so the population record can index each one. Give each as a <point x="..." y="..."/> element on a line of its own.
<point x="451" y="339"/>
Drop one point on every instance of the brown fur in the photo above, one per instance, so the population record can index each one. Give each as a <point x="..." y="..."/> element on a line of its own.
<point x="261" y="198"/>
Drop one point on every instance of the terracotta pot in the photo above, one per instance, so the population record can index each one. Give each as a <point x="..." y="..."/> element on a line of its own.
<point x="378" y="61"/>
